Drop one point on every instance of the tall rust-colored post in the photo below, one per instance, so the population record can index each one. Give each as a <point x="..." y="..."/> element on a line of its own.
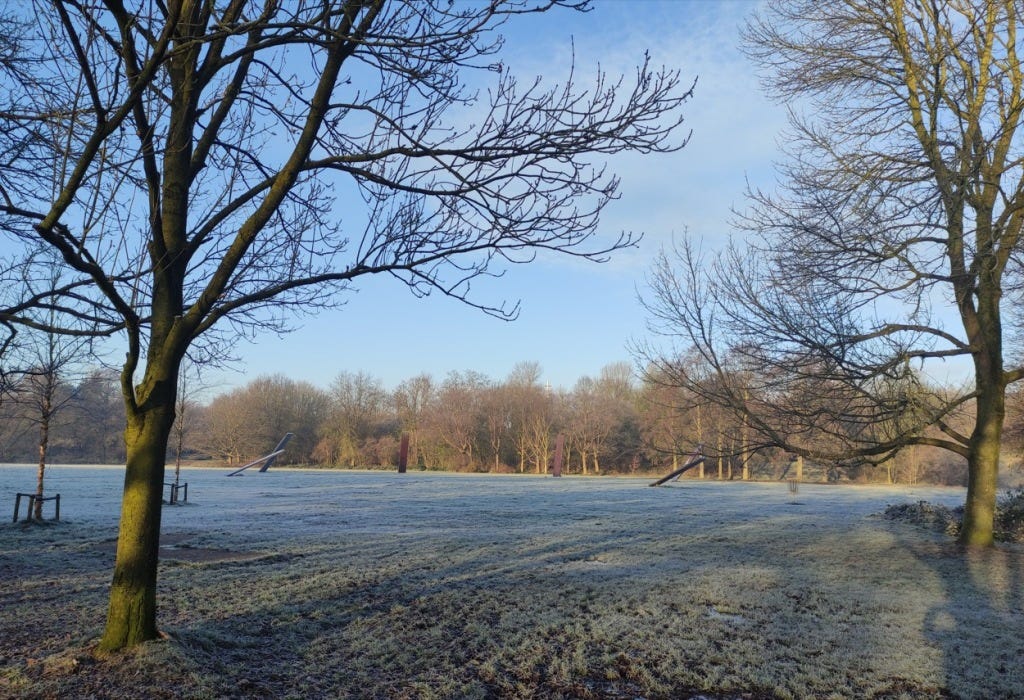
<point x="403" y="453"/>
<point x="559" y="447"/>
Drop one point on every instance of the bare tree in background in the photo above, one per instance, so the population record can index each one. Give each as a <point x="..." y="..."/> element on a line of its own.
<point x="411" y="400"/>
<point x="250" y="420"/>
<point x="46" y="389"/>
<point x="358" y="404"/>
<point x="190" y="385"/>
<point x="255" y="159"/>
<point x="456" y="417"/>
<point x="894" y="245"/>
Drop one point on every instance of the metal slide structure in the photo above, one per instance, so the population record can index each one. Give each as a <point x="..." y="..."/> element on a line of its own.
<point x="696" y="458"/>
<point x="266" y="460"/>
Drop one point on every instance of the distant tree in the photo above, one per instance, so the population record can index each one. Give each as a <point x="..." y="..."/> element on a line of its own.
<point x="249" y="421"/>
<point x="674" y="420"/>
<point x="456" y="417"/>
<point x="599" y="409"/>
<point x="97" y="418"/>
<point x="497" y="413"/>
<point x="185" y="412"/>
<point x="895" y="242"/>
<point x="225" y="428"/>
<point x="357" y="412"/>
<point x="525" y="392"/>
<point x="590" y="424"/>
<point x="540" y="425"/>
<point x="411" y="399"/>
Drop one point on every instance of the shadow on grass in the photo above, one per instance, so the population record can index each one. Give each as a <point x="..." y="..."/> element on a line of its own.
<point x="672" y="597"/>
<point x="977" y="626"/>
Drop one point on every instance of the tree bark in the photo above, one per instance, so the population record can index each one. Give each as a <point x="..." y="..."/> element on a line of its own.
<point x="983" y="453"/>
<point x="131" y="616"/>
<point x="44" y="441"/>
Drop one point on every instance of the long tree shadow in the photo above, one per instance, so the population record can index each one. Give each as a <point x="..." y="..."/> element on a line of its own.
<point x="498" y="597"/>
<point x="978" y="625"/>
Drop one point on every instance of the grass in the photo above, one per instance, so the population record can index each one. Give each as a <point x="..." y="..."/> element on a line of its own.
<point x="477" y="587"/>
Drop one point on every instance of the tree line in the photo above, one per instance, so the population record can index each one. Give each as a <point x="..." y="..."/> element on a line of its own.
<point x="613" y="423"/>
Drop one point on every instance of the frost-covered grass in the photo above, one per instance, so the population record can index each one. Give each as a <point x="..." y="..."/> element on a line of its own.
<point x="429" y="585"/>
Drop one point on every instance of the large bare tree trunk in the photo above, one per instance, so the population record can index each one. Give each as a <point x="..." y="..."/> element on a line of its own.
<point x="983" y="453"/>
<point x="131" y="617"/>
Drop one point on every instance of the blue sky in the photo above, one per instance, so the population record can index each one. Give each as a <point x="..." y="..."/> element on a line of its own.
<point x="576" y="317"/>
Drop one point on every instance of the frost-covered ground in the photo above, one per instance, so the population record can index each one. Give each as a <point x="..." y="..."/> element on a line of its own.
<point x="356" y="584"/>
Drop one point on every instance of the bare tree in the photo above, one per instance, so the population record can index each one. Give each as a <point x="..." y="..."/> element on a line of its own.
<point x="540" y="426"/>
<point x="411" y="399"/>
<point x="97" y="418"/>
<point x="248" y="421"/>
<point x="456" y="417"/>
<point x="45" y="364"/>
<point x="497" y="412"/>
<point x="46" y="389"/>
<point x="524" y="393"/>
<point x="256" y="159"/>
<point x="190" y="384"/>
<point x="894" y="245"/>
<point x="358" y="403"/>
<point x="600" y="407"/>
<point x="674" y="419"/>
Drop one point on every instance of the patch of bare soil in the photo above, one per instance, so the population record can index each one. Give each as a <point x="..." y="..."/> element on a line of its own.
<point x="177" y="547"/>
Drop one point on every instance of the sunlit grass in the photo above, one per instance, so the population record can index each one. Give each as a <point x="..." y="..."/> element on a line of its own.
<point x="476" y="587"/>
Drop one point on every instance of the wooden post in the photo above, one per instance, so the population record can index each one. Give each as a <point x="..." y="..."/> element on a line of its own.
<point x="403" y="454"/>
<point x="559" y="447"/>
<point x="32" y="500"/>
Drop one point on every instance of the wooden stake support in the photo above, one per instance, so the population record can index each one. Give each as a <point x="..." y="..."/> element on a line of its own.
<point x="32" y="500"/>
<point x="175" y="489"/>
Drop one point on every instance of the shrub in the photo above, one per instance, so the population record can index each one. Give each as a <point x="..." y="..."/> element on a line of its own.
<point x="1008" y="525"/>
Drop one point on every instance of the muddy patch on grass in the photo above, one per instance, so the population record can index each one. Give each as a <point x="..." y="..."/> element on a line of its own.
<point x="179" y="547"/>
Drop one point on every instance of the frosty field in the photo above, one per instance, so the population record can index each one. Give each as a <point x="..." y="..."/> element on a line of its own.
<point x="310" y="584"/>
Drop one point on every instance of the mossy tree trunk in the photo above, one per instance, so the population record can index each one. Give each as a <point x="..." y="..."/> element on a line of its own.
<point x="150" y="405"/>
<point x="131" y="616"/>
<point x="985" y="328"/>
